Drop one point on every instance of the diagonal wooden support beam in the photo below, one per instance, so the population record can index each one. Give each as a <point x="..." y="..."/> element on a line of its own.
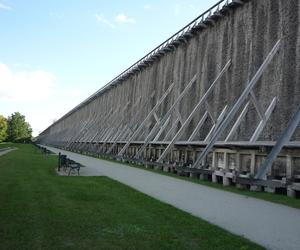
<point x="120" y="129"/>
<point x="174" y="125"/>
<point x="88" y="126"/>
<point x="238" y="122"/>
<point x="113" y="128"/>
<point x="264" y="121"/>
<point x="108" y="124"/>
<point x="237" y="105"/>
<point x="129" y="128"/>
<point x="217" y="123"/>
<point x="75" y="135"/>
<point x="282" y="141"/>
<point x="162" y="129"/>
<point x="91" y="128"/>
<point x="210" y="112"/>
<point x="264" y="117"/>
<point x="97" y="129"/>
<point x="157" y="126"/>
<point x="177" y="112"/>
<point x="257" y="106"/>
<point x="199" y="125"/>
<point x="73" y="138"/>
<point x="115" y="120"/>
<point x="167" y="92"/>
<point x="193" y="113"/>
<point x="156" y="117"/>
<point x="92" y="120"/>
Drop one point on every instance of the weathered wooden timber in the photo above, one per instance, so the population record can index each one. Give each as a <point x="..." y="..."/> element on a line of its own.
<point x="222" y="130"/>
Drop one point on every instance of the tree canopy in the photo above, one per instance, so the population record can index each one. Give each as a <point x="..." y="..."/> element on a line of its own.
<point x="3" y="128"/>
<point x="18" y="129"/>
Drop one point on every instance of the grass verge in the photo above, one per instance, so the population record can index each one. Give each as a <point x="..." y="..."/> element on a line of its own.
<point x="40" y="210"/>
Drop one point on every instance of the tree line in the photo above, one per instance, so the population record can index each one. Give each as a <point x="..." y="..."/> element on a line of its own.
<point x="15" y="128"/>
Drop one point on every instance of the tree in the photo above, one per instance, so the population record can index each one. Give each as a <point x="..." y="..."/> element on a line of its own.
<point x="3" y="128"/>
<point x="18" y="129"/>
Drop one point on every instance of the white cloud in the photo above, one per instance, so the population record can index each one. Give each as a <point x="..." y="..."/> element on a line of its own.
<point x="61" y="100"/>
<point x="37" y="95"/>
<point x="4" y="7"/>
<point x="147" y="7"/>
<point x="24" y="85"/>
<point x="122" y="18"/>
<point x="119" y="19"/>
<point x="102" y="19"/>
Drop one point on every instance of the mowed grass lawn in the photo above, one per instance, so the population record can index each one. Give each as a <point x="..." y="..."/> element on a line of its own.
<point x="39" y="210"/>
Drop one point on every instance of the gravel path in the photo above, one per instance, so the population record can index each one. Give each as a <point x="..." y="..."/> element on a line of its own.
<point x="6" y="151"/>
<point x="270" y="225"/>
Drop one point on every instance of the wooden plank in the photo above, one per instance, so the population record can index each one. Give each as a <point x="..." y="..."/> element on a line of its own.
<point x="238" y="104"/>
<point x="167" y="92"/>
<point x="238" y="122"/>
<point x="199" y="125"/>
<point x="282" y="141"/>
<point x="193" y="113"/>
<point x="263" y="122"/>
<point x="154" y="130"/>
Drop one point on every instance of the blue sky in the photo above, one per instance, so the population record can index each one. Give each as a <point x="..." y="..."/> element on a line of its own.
<point x="54" y="54"/>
